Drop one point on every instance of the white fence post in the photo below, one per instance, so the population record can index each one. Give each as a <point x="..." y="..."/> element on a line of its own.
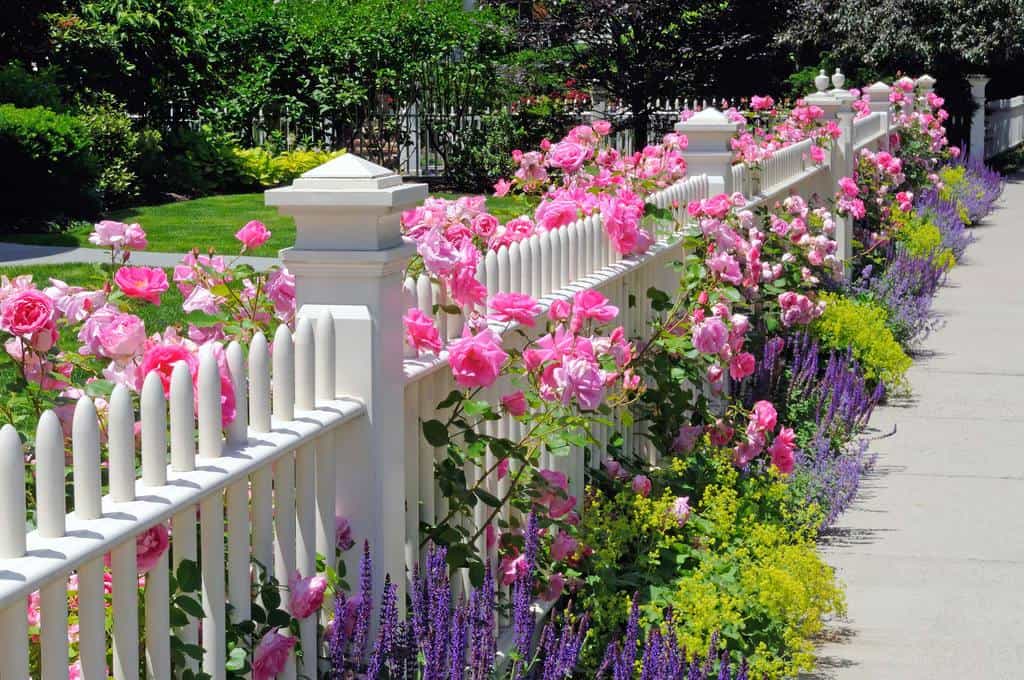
<point x="837" y="103"/>
<point x="708" y="152"/>
<point x="878" y="98"/>
<point x="977" y="145"/>
<point x="349" y="254"/>
<point x="926" y="84"/>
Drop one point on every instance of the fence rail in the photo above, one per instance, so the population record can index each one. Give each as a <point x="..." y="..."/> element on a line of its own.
<point x="1005" y="125"/>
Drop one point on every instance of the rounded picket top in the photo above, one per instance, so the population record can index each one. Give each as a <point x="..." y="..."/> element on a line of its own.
<point x="153" y="407"/>
<point x="85" y="453"/>
<point x="50" y="508"/>
<point x="12" y="494"/>
<point x="209" y="399"/>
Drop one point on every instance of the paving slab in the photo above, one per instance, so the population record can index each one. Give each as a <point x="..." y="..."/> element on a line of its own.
<point x="932" y="551"/>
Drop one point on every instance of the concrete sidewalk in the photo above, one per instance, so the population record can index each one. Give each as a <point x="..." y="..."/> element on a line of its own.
<point x="20" y="254"/>
<point x="933" y="551"/>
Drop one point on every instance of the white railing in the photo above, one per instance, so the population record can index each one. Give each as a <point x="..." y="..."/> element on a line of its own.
<point x="743" y="178"/>
<point x="275" y="475"/>
<point x="868" y="130"/>
<point x="1005" y="125"/>
<point x="787" y="167"/>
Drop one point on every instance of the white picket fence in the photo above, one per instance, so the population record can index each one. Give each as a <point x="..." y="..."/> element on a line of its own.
<point x="318" y="425"/>
<point x="1004" y="128"/>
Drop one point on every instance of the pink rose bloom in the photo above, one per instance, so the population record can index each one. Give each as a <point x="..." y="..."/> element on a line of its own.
<point x="253" y="235"/>
<point x="714" y="373"/>
<point x="502" y="187"/>
<point x="726" y="267"/>
<point x="563" y="546"/>
<point x="122" y="337"/>
<point x="420" y="331"/>
<point x="476" y="360"/>
<point x="721" y="434"/>
<point x="514" y="307"/>
<point x="849" y="187"/>
<point x="342" y="533"/>
<point x="568" y="155"/>
<point x="485" y="224"/>
<point x="741" y="365"/>
<point x="709" y="335"/>
<point x="589" y="304"/>
<point x="511" y="567"/>
<point x="142" y="283"/>
<point x="150" y="546"/>
<point x="202" y="300"/>
<point x="642" y="485"/>
<point x="45" y="338"/>
<point x="764" y="416"/>
<point x="781" y="450"/>
<point x="686" y="439"/>
<point x="25" y="312"/>
<point x="280" y="290"/>
<point x="135" y="237"/>
<point x="110" y="234"/>
<point x="75" y="671"/>
<point x="502" y="468"/>
<point x="560" y="310"/>
<point x="601" y="127"/>
<point x="582" y="378"/>
<point x="556" y="584"/>
<point x="817" y="154"/>
<point x="681" y="509"/>
<point x="613" y="468"/>
<point x="555" y="478"/>
<point x="558" y="506"/>
<point x="465" y="289"/>
<point x="271" y="655"/>
<point x="161" y="358"/>
<point x="554" y="214"/>
<point x="514" y="403"/>
<point x="307" y="594"/>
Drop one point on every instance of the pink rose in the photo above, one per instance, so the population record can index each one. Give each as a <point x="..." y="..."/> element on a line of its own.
<point x="554" y="214"/>
<point x="511" y="566"/>
<point x="161" y="358"/>
<point x="589" y="304"/>
<point x="342" y="533"/>
<point x="601" y="127"/>
<point x="848" y="187"/>
<point x="502" y="468"/>
<point x="253" y="235"/>
<point x="560" y="310"/>
<point x="476" y="360"/>
<point x="686" y="439"/>
<point x="271" y="655"/>
<point x="484" y="225"/>
<point x="420" y="331"/>
<point x="563" y="546"/>
<point x="143" y="283"/>
<point x="582" y="378"/>
<point x="764" y="416"/>
<point x="307" y="594"/>
<point x="555" y="478"/>
<point x="681" y="509"/>
<point x="514" y="307"/>
<point x="556" y="584"/>
<point x="709" y="336"/>
<point x="515" y="403"/>
<point x="741" y="365"/>
<point x="502" y="187"/>
<point x="280" y="290"/>
<point x="613" y="468"/>
<point x="45" y="338"/>
<point x="721" y="434"/>
<point x="761" y="103"/>
<point x="150" y="545"/>
<point x="781" y="450"/>
<point x="122" y="337"/>
<point x="112" y="234"/>
<point x="25" y="312"/>
<point x="642" y="485"/>
<point x="568" y="155"/>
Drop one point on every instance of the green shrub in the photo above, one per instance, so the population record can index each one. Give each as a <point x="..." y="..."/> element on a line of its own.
<point x="192" y="163"/>
<point x="922" y="238"/>
<point x="26" y="89"/>
<point x="744" y="565"/>
<point x="260" y="168"/>
<point x="48" y="171"/>
<point x="861" y="325"/>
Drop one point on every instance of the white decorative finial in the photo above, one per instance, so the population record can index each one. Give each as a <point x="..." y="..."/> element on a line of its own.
<point x="821" y="81"/>
<point x="838" y="79"/>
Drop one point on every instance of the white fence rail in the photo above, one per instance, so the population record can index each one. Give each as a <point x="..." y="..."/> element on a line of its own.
<point x="870" y="129"/>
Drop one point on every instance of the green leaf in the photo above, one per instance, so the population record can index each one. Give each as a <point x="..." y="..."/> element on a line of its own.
<point x="188" y="576"/>
<point x="453" y="398"/>
<point x="189" y="606"/>
<point x="99" y="388"/>
<point x="488" y="498"/>
<point x="436" y="433"/>
<point x="476" y="574"/>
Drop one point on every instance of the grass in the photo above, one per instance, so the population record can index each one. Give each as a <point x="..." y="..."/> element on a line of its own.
<point x="178" y="226"/>
<point x="211" y="222"/>
<point x="92" y="275"/>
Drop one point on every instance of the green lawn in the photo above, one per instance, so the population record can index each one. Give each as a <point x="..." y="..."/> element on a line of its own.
<point x="212" y="222"/>
<point x="93" y="276"/>
<point x="178" y="226"/>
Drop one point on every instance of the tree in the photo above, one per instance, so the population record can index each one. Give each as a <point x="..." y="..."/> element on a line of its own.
<point x="640" y="50"/>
